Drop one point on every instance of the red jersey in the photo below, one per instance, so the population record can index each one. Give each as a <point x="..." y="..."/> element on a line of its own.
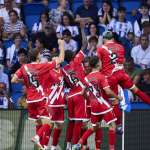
<point x="96" y="83"/>
<point x="56" y="91"/>
<point x="111" y="54"/>
<point x="74" y="74"/>
<point x="36" y="77"/>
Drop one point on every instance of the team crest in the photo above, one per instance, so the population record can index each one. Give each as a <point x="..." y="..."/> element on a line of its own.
<point x="59" y="78"/>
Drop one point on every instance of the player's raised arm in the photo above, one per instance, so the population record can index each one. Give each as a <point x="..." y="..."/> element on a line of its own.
<point x="84" y="94"/>
<point x="16" y="80"/>
<point x="112" y="94"/>
<point x="84" y="39"/>
<point x="61" y="57"/>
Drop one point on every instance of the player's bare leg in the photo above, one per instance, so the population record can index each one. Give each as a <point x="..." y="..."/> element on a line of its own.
<point x="56" y="134"/>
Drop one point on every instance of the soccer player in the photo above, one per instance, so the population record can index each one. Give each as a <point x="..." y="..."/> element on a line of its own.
<point x="112" y="56"/>
<point x="35" y="76"/>
<point x="74" y="75"/>
<point x="56" y="101"/>
<point x="98" y="86"/>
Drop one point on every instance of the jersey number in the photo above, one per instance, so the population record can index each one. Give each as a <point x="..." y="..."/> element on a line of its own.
<point x="114" y="57"/>
<point x="98" y="94"/>
<point x="74" y="80"/>
<point x="33" y="80"/>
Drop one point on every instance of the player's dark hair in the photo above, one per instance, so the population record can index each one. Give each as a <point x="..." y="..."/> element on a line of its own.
<point x="93" y="61"/>
<point x="42" y="41"/>
<point x="33" y="53"/>
<point x="16" y="34"/>
<point x="146" y="71"/>
<point x="97" y="29"/>
<point x="144" y="35"/>
<point x="129" y="59"/>
<point x="54" y="55"/>
<point x="146" y="5"/>
<point x="22" y="51"/>
<point x="121" y="8"/>
<point x="93" y="38"/>
<point x="68" y="56"/>
<point x="108" y="36"/>
<point x="86" y="59"/>
<point x="66" y="32"/>
<point x="116" y="37"/>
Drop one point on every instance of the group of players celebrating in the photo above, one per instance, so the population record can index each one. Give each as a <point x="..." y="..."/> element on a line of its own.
<point x="93" y="83"/>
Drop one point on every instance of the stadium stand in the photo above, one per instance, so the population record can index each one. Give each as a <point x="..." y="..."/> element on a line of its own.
<point x="16" y="87"/>
<point x="15" y="96"/>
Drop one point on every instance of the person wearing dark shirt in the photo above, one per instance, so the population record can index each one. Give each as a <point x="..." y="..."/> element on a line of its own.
<point x="87" y="13"/>
<point x="145" y="87"/>
<point x="22" y="53"/>
<point x="49" y="37"/>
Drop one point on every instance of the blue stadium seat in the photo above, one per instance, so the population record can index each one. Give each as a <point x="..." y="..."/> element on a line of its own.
<point x="114" y="3"/>
<point x="130" y="18"/>
<point x="131" y="4"/>
<point x="64" y="63"/>
<point x="15" y="96"/>
<point x="53" y="5"/>
<point x="16" y="87"/>
<point x="101" y="30"/>
<point x="33" y="8"/>
<point x="78" y="3"/>
<point x="30" y="19"/>
<point x="86" y="31"/>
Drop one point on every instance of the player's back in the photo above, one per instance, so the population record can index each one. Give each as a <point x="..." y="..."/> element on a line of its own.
<point x="111" y="54"/>
<point x="35" y="77"/>
<point x="74" y="74"/>
<point x="95" y="83"/>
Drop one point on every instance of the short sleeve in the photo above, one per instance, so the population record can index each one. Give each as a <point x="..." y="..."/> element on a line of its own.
<point x="52" y="64"/>
<point x="79" y="57"/>
<point x="1" y="13"/>
<point x="5" y="25"/>
<point x="19" y="102"/>
<point x="1" y="53"/>
<point x="114" y="13"/>
<point x="138" y="34"/>
<point x="130" y="31"/>
<point x="138" y="73"/>
<point x="58" y="29"/>
<point x="19" y="73"/>
<point x="136" y="27"/>
<point x="100" y="12"/>
<point x="8" y="53"/>
<point x="104" y="82"/>
<point x="76" y="30"/>
<point x="21" y="24"/>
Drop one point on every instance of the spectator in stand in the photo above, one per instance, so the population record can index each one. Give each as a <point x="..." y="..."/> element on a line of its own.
<point x="1" y="68"/>
<point x="69" y="44"/>
<point x="144" y="9"/>
<point x="45" y="53"/>
<point x="93" y="41"/>
<point x="4" y="78"/>
<point x="5" y="101"/>
<point x="55" y="15"/>
<point x="22" y="54"/>
<point x="145" y="87"/>
<point x="146" y="30"/>
<point x="106" y="13"/>
<point x="49" y="36"/>
<point x="141" y="53"/>
<point x="22" y="103"/>
<point x="4" y="16"/>
<point x="67" y="22"/>
<point x="122" y="27"/>
<point x="15" y="3"/>
<point x="93" y="30"/>
<point x="14" y="26"/>
<point x="133" y="72"/>
<point x="45" y="2"/>
<point x="39" y="27"/>
<point x="12" y="52"/>
<point x="87" y="13"/>
<point x="1" y="55"/>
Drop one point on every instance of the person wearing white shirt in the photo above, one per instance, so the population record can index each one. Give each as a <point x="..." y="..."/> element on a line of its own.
<point x="144" y="9"/>
<point x="69" y="44"/>
<point x="4" y="16"/>
<point x="15" y="3"/>
<point x="141" y="53"/>
<point x="146" y="30"/>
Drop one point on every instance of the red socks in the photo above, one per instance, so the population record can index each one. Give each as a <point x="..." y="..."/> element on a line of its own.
<point x="98" y="138"/>
<point x="82" y="133"/>
<point x="85" y="136"/>
<point x="112" y="138"/>
<point x="76" y="132"/>
<point x="47" y="137"/>
<point x="56" y="136"/>
<point x="37" y="130"/>
<point x="43" y="129"/>
<point x="70" y="131"/>
<point x="117" y="113"/>
<point x="143" y="97"/>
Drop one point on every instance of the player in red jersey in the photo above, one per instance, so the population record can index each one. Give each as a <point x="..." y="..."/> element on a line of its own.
<point x="74" y="75"/>
<point x="56" y="101"/>
<point x="35" y="76"/>
<point x="98" y="88"/>
<point x="112" y="56"/>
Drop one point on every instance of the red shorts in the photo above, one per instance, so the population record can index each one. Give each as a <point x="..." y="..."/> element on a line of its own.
<point x="77" y="107"/>
<point x="88" y="114"/>
<point x="108" y="117"/>
<point x="56" y="114"/>
<point x="119" y="77"/>
<point x="38" y="109"/>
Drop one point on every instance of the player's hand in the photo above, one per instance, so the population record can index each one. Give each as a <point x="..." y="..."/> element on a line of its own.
<point x="82" y="24"/>
<point x="61" y="42"/>
<point x="120" y="98"/>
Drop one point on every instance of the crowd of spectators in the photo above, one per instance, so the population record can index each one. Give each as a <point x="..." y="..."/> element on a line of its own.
<point x="61" y="23"/>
